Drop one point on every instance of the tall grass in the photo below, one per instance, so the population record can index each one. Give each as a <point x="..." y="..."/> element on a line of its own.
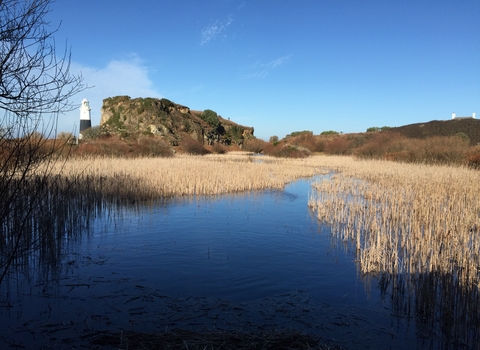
<point x="416" y="228"/>
<point x="48" y="211"/>
<point x="405" y="218"/>
<point x="41" y="220"/>
<point x="153" y="178"/>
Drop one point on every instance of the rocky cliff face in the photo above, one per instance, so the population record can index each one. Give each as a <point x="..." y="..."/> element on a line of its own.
<point x="167" y="120"/>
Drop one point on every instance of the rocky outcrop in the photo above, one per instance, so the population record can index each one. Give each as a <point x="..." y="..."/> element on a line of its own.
<point x="169" y="121"/>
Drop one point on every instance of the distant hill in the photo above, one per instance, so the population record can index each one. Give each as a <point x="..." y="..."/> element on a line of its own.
<point x="171" y="122"/>
<point x="468" y="127"/>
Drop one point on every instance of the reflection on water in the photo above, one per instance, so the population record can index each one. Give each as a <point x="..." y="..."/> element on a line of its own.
<point x="445" y="312"/>
<point x="230" y="261"/>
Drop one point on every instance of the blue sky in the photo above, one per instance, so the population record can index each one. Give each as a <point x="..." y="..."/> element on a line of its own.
<point x="277" y="65"/>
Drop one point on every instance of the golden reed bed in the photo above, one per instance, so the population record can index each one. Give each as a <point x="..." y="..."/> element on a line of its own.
<point x="402" y="218"/>
<point x="152" y="178"/>
<point x="405" y="218"/>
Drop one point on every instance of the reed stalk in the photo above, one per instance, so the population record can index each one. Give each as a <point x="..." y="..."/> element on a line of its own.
<point x="405" y="218"/>
<point x="184" y="175"/>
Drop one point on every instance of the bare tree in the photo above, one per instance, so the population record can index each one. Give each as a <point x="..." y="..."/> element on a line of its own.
<point x="35" y="87"/>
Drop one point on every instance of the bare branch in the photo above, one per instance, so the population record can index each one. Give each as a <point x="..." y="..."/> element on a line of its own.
<point x="33" y="79"/>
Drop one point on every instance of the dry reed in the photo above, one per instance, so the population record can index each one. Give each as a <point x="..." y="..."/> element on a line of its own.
<point x="153" y="178"/>
<point x="401" y="218"/>
<point x="405" y="218"/>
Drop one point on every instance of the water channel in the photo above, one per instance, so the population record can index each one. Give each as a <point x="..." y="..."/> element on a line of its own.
<point x="250" y="261"/>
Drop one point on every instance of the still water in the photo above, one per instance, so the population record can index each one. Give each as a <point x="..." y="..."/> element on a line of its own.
<point x="245" y="261"/>
<point x="241" y="248"/>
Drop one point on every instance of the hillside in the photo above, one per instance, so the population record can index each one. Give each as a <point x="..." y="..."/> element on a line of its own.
<point x="469" y="127"/>
<point x="168" y="121"/>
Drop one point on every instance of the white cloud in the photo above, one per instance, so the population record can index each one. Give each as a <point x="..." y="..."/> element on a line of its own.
<point x="261" y="70"/>
<point x="119" y="77"/>
<point x="214" y="30"/>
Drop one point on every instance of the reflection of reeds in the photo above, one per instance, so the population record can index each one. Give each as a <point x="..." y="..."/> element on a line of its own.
<point x="405" y="218"/>
<point x="153" y="178"/>
<point x="42" y="213"/>
<point x="39" y="220"/>
<point x="416" y="227"/>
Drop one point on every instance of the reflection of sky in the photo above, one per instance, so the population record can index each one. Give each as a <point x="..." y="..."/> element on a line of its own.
<point x="235" y="248"/>
<point x="238" y="247"/>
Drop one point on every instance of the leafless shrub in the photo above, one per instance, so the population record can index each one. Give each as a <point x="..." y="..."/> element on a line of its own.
<point x="36" y="86"/>
<point x="254" y="145"/>
<point x="191" y="146"/>
<point x="338" y="146"/>
<point x="473" y="157"/>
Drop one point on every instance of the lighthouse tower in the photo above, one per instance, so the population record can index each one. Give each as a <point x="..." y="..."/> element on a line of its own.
<point x="85" y="121"/>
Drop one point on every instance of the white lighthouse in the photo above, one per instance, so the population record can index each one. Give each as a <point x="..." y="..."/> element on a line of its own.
<point x="85" y="121"/>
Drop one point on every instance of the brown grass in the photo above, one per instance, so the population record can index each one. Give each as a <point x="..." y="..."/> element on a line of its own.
<point x="401" y="218"/>
<point x="153" y="178"/>
<point x="405" y="218"/>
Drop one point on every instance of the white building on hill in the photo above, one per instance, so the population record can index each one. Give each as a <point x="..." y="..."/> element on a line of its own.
<point x="454" y="116"/>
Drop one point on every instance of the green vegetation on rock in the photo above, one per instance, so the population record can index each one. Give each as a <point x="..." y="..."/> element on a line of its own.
<point x="296" y="133"/>
<point x="375" y="128"/>
<point x="329" y="132"/>
<point x="168" y="121"/>
<point x="210" y="117"/>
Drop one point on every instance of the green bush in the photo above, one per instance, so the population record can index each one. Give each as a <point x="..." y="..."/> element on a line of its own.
<point x="167" y="103"/>
<point x="296" y="133"/>
<point x="373" y="129"/>
<point x="329" y="132"/>
<point x="186" y="125"/>
<point x="115" y="119"/>
<point x="210" y="117"/>
<point x="236" y="132"/>
<point x="148" y="102"/>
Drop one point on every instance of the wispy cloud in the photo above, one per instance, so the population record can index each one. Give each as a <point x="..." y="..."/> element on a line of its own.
<point x="127" y="76"/>
<point x="215" y="30"/>
<point x="261" y="70"/>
